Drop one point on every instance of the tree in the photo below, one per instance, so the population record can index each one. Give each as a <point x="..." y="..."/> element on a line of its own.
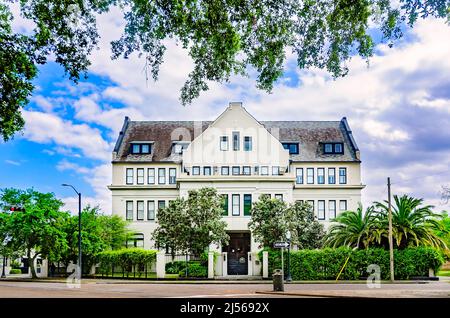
<point x="192" y="224"/>
<point x="353" y="229"/>
<point x="37" y="229"/>
<point x="413" y="223"/>
<point x="306" y="231"/>
<point x="223" y="38"/>
<point x="99" y="233"/>
<point x="445" y="193"/>
<point x="444" y="231"/>
<point x="268" y="222"/>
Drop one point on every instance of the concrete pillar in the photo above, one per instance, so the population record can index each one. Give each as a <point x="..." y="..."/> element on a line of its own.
<point x="265" y="264"/>
<point x="161" y="265"/>
<point x="224" y="264"/>
<point x="211" y="265"/>
<point x="250" y="264"/>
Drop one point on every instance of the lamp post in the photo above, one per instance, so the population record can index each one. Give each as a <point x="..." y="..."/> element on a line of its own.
<point x="289" y="277"/>
<point x="79" y="227"/>
<point x="3" y="269"/>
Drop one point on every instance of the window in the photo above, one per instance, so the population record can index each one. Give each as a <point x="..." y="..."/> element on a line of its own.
<point x="342" y="175"/>
<point x="225" y="170"/>
<point x="137" y="240"/>
<point x="279" y="197"/>
<point x="292" y="147"/>
<point x="225" y="204"/>
<point x="247" y="204"/>
<point x="195" y="170"/>
<point x="247" y="143"/>
<point x="151" y="175"/>
<point x="331" y="175"/>
<point x="331" y="209"/>
<point x="275" y="170"/>
<point x="246" y="170"/>
<point x="236" y="171"/>
<point x="311" y="203"/>
<point x="129" y="207"/>
<point x="264" y="170"/>
<point x="310" y="175"/>
<point x="235" y="140"/>
<point x="172" y="175"/>
<point x="224" y="143"/>
<point x="256" y="169"/>
<point x="151" y="210"/>
<point x="130" y="176"/>
<point x="207" y="171"/>
<point x="320" y="175"/>
<point x="161" y="176"/>
<point x="161" y="204"/>
<point x="299" y="201"/>
<point x="140" y="149"/>
<point x="321" y="209"/>
<point x="299" y="175"/>
<point x="236" y="205"/>
<point x="342" y="205"/>
<point x="140" y="176"/>
<point x="333" y="148"/>
<point x="140" y="210"/>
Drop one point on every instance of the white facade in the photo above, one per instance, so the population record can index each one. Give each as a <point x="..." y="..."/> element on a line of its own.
<point x="240" y="157"/>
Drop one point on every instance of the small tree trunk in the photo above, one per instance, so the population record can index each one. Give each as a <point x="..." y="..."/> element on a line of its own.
<point x="31" y="263"/>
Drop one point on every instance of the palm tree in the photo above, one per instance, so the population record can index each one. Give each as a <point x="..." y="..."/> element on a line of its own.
<point x="413" y="224"/>
<point x="352" y="228"/>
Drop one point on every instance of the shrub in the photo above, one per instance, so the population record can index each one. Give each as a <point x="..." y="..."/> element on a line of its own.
<point x="15" y="271"/>
<point x="325" y="264"/>
<point x="15" y="264"/>
<point x="195" y="269"/>
<point x="128" y="259"/>
<point x="175" y="267"/>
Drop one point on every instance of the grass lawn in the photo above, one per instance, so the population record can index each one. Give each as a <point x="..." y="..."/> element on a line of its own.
<point x="444" y="272"/>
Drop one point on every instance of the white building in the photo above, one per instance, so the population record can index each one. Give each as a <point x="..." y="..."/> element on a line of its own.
<point x="157" y="161"/>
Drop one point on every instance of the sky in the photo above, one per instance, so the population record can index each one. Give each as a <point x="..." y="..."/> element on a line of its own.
<point x="398" y="108"/>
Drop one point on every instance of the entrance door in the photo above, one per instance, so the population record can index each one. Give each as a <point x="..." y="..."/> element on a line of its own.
<point x="237" y="250"/>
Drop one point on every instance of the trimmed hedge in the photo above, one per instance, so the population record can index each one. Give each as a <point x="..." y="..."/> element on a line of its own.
<point x="325" y="264"/>
<point x="15" y="271"/>
<point x="127" y="260"/>
<point x="195" y="269"/>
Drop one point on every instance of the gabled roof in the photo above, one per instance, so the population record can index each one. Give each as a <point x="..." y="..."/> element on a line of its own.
<point x="309" y="135"/>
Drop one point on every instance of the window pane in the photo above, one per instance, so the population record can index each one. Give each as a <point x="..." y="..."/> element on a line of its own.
<point x="338" y="148"/>
<point x="311" y="203"/>
<point x="129" y="176"/>
<point x="145" y="148"/>
<point x="275" y="170"/>
<point x="225" y="204"/>
<point x="161" y="176"/>
<point x="331" y="175"/>
<point x="207" y="171"/>
<point x="140" y="176"/>
<point x="310" y="175"/>
<point x="331" y="209"/>
<point x="328" y="148"/>
<point x="299" y="175"/>
<point x="293" y="149"/>
<point x="129" y="207"/>
<point x="140" y="210"/>
<point x="264" y="170"/>
<point x="161" y="204"/>
<point x="172" y="176"/>
<point x="225" y="171"/>
<point x="150" y="210"/>
<point x="236" y="170"/>
<point x="247" y="204"/>
<point x="151" y="175"/>
<point x="235" y="140"/>
<point x="236" y="205"/>
<point x="343" y="205"/>
<point x="342" y="175"/>
<point x="247" y="143"/>
<point x="136" y="148"/>
<point x="224" y="143"/>
<point x="246" y="170"/>
<point x="320" y="175"/>
<point x="321" y="209"/>
<point x="196" y="170"/>
<point x="279" y="197"/>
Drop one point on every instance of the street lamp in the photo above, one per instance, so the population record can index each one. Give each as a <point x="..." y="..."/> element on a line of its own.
<point x="288" y="237"/>
<point x="79" y="226"/>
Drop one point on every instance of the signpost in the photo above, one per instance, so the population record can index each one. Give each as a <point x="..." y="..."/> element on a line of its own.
<point x="281" y="245"/>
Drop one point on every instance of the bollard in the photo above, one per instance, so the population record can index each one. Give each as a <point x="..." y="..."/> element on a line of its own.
<point x="278" y="280"/>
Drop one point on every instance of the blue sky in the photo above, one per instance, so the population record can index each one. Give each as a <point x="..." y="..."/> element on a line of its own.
<point x="398" y="109"/>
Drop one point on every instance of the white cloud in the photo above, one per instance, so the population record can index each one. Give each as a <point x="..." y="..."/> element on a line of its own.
<point x="13" y="162"/>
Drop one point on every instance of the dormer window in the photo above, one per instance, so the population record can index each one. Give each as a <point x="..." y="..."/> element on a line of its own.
<point x="141" y="148"/>
<point x="333" y="148"/>
<point x="178" y="147"/>
<point x="292" y="147"/>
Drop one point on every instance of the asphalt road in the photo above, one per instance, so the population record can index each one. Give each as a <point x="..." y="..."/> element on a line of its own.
<point x="117" y="289"/>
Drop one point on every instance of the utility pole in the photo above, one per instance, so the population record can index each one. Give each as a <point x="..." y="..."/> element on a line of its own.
<point x="391" y="243"/>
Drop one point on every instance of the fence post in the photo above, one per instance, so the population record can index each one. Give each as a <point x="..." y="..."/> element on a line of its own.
<point x="224" y="264"/>
<point x="160" y="265"/>
<point x="250" y="264"/>
<point x="265" y="264"/>
<point x="211" y="265"/>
